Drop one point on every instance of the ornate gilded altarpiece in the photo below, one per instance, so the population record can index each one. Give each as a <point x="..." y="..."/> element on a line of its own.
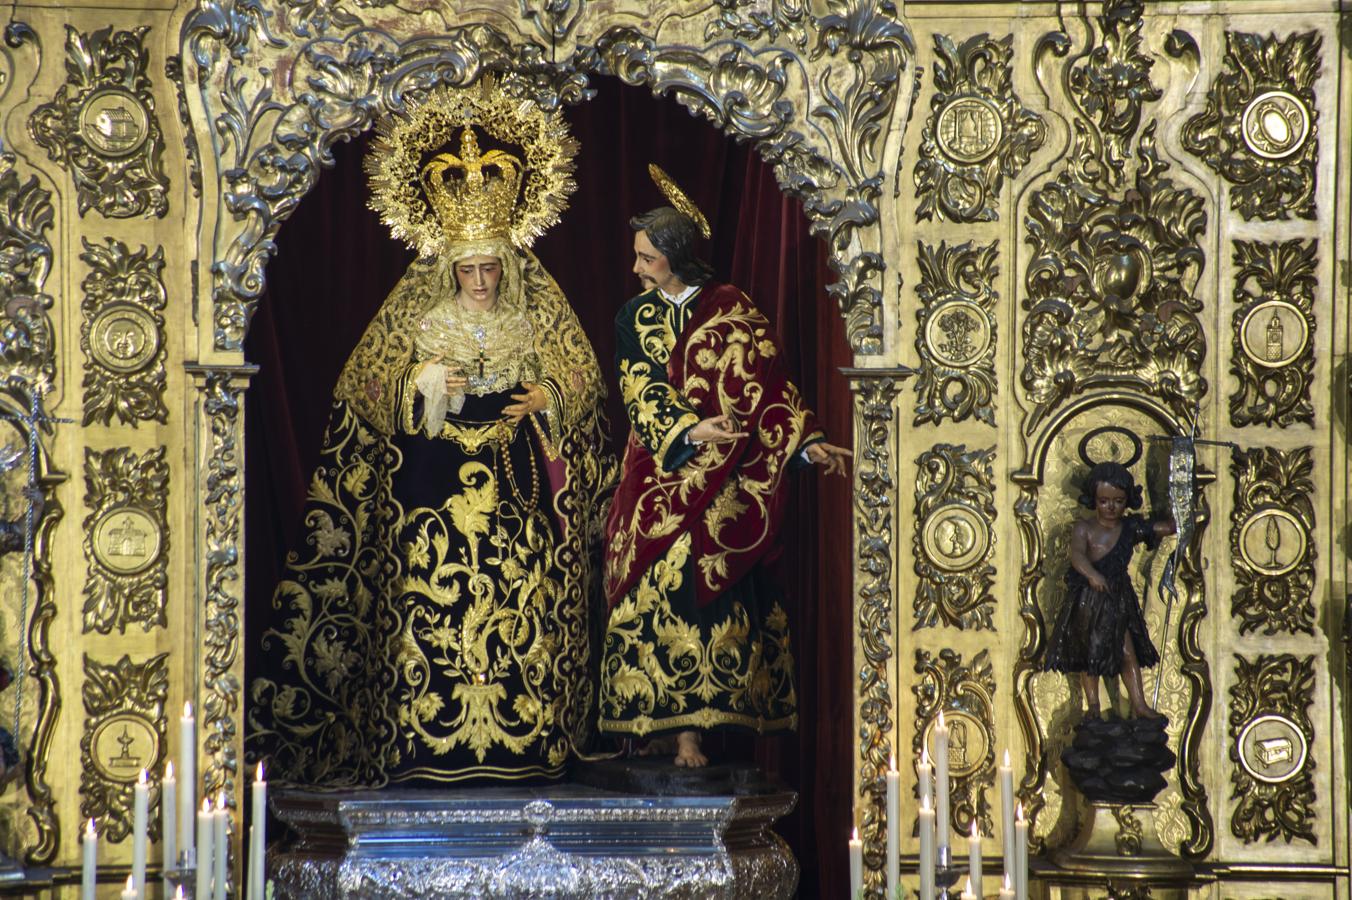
<point x="1053" y="225"/>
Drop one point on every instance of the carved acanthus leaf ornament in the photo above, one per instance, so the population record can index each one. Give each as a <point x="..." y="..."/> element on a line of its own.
<point x="954" y="538"/>
<point x="126" y="539"/>
<point x="1274" y="330"/>
<point x="955" y="333"/>
<point x="1272" y="546"/>
<point x="965" y="694"/>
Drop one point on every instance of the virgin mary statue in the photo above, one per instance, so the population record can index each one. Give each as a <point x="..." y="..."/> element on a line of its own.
<point x="432" y="627"/>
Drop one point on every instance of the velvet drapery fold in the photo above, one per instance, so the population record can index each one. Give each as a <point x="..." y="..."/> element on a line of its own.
<point x="336" y="262"/>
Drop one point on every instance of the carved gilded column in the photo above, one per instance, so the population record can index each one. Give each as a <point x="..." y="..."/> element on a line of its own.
<point x="218" y="467"/>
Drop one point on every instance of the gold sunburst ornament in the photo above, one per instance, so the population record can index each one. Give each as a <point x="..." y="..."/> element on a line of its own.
<point x="677" y="198"/>
<point x="430" y="211"/>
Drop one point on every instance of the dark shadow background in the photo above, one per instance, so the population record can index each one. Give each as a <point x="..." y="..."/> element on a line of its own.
<point x="336" y="262"/>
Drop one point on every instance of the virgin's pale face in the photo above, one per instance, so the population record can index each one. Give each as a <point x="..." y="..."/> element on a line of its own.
<point x="478" y="278"/>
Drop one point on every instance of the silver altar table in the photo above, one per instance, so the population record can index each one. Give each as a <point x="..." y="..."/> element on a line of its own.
<point x="558" y="841"/>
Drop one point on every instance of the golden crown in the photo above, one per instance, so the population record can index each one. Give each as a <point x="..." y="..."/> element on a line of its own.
<point x="470" y="196"/>
<point x="478" y="205"/>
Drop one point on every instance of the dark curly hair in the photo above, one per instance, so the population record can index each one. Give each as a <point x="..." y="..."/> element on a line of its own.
<point x="1114" y="475"/>
<point x="674" y="235"/>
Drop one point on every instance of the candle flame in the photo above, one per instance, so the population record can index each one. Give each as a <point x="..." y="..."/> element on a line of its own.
<point x="206" y="805"/>
<point x="941" y="718"/>
<point x="1018" y="812"/>
<point x="169" y="771"/>
<point x="924" y="756"/>
<point x="178" y="894"/>
<point x="259" y="776"/>
<point x="854" y="835"/>
<point x="893" y="766"/>
<point x="1006" y="758"/>
<point x="89" y="829"/>
<point x="975" y="835"/>
<point x="924" y="804"/>
<point x="968" y="891"/>
<point x="220" y="800"/>
<point x="130" y="884"/>
<point x="1007" y="886"/>
<point x="187" y="709"/>
<point x="142" y="777"/>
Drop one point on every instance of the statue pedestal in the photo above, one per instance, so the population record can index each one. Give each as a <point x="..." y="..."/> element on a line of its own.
<point x="1117" y="850"/>
<point x="557" y="841"/>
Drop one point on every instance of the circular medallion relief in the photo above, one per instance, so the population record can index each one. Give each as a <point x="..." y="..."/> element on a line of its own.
<point x="1272" y="541"/>
<point x="955" y="536"/>
<point x="969" y="129"/>
<point x="114" y="122"/>
<point x="124" y="338"/>
<point x="957" y="333"/>
<point x="1274" y="334"/>
<point x="1276" y="124"/>
<point x="967" y="742"/>
<point x="123" y="745"/>
<point x="126" y="540"/>
<point x="1272" y="748"/>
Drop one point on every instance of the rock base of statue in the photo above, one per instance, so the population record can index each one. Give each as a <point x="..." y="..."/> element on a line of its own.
<point x="1116" y="760"/>
<point x="560" y="841"/>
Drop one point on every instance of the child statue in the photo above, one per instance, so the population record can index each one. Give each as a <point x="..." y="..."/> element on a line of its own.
<point x="1100" y="631"/>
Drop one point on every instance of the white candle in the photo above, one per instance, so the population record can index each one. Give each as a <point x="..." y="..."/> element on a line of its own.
<point x="1007" y="813"/>
<point x="941" y="789"/>
<point x="205" y="818"/>
<point x="1006" y="890"/>
<point x="90" y="870"/>
<point x="974" y="858"/>
<point x="1020" y="855"/>
<point x="856" y="866"/>
<point x="140" y="833"/>
<point x="220" y="845"/>
<point x="187" y="773"/>
<point x="925" y="778"/>
<point x="926" y="850"/>
<point x="893" y="829"/>
<point x="129" y="892"/>
<point x="258" y="836"/>
<point x="967" y="891"/>
<point x="168" y="825"/>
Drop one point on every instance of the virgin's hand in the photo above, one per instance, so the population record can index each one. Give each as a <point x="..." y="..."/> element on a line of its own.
<point x="716" y="429"/>
<point x="829" y="455"/>
<point x="455" y="381"/>
<point x="531" y="400"/>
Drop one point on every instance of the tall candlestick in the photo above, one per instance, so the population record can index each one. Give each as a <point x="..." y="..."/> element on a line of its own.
<point x="1007" y="813"/>
<point x="974" y="858"/>
<point x="258" y="836"/>
<point x="187" y="773"/>
<point x="205" y="819"/>
<point x="924" y="775"/>
<point x="168" y="824"/>
<point x="926" y="850"/>
<point x="140" y="833"/>
<point x="856" y="866"/>
<point x="90" y="870"/>
<point x="893" y="829"/>
<point x="1006" y="888"/>
<point x="941" y="789"/>
<point x="1020" y="855"/>
<point x="220" y="846"/>
<point x="129" y="892"/>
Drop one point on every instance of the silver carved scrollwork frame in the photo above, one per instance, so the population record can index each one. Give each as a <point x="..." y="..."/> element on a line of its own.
<point x="267" y="87"/>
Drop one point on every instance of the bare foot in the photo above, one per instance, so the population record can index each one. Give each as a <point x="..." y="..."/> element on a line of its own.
<point x="687" y="750"/>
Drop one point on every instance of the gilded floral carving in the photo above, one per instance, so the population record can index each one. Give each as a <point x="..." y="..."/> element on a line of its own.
<point x="955" y="333"/>
<point x="965" y="694"/>
<point x="101" y="125"/>
<point x="126" y="539"/>
<point x="1272" y="540"/>
<point x="1272" y="767"/>
<point x="978" y="132"/>
<point x="954" y="538"/>
<point x="122" y="334"/>
<point x="124" y="732"/>
<point x="1274" y="329"/>
<point x="27" y="349"/>
<point x="1260" y="127"/>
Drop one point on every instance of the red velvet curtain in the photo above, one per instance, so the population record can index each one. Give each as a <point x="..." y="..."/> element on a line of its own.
<point x="336" y="262"/>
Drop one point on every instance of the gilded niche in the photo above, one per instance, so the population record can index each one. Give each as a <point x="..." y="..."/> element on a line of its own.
<point x="1271" y="540"/>
<point x="101" y="125"/>
<point x="1272" y="769"/>
<point x="126" y="539"/>
<point x="1110" y="289"/>
<point x="124" y="732"/>
<point x="964" y="693"/>
<point x="978" y="132"/>
<point x="954" y="542"/>
<point x="122" y="334"/>
<point x="955" y="334"/>
<point x="1259" y="130"/>
<point x="1274" y="330"/>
